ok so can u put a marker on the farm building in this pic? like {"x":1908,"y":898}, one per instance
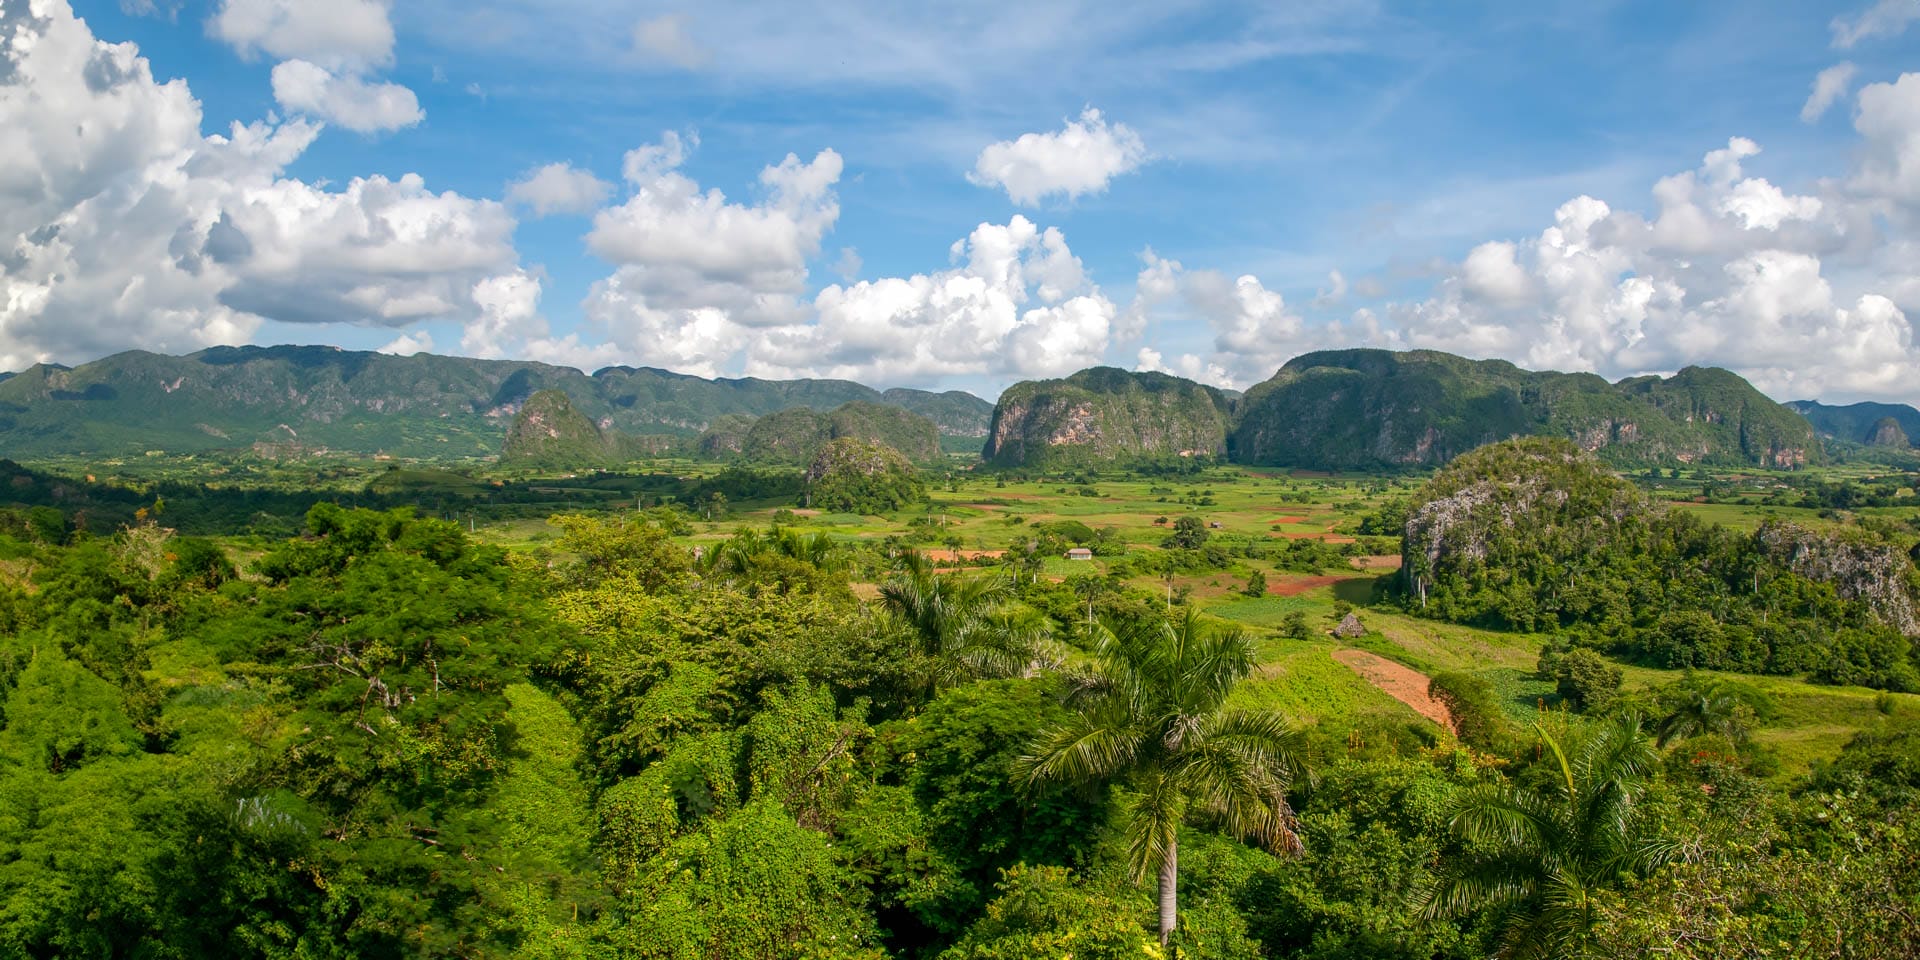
{"x":1079,"y":553}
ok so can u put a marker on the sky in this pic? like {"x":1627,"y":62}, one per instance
{"x":967,"y":195}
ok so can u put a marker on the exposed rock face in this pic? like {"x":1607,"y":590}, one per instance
{"x":1106,"y":415}
{"x":1372,"y":409}
{"x":1887,"y":432}
{"x":1874,"y":573}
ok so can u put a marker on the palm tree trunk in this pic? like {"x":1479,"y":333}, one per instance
{"x":1169,"y":880}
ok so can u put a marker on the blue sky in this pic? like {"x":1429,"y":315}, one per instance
{"x":1429,"y":155}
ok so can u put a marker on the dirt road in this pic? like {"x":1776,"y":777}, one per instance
{"x":1403,"y":683}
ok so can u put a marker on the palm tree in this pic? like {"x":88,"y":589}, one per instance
{"x":1703,"y":710}
{"x":1540,"y":855}
{"x":1152,"y":713}
{"x":968,"y":626}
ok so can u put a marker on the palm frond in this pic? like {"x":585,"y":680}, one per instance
{"x":1080,"y":751}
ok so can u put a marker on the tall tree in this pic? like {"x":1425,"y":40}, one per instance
{"x":967,"y":626}
{"x":1152,"y":713}
{"x":1540,"y":856}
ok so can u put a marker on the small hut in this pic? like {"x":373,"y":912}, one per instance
{"x":1350,"y":628}
{"x":1079,"y":553}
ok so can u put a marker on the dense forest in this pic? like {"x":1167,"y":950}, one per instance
{"x":380,"y":738}
{"x":1534,"y":535}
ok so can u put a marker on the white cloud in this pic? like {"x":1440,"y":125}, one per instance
{"x":307,"y":88}
{"x":125,"y":226}
{"x":1490,"y":273}
{"x":338,"y":34}
{"x":1828,"y":87}
{"x":408,"y":344}
{"x":1887,"y":18}
{"x":1016,"y":304}
{"x":1889,"y":122}
{"x":1079,"y":159}
{"x":694,"y":267}
{"x":665,"y":38}
{"x":559,"y":188}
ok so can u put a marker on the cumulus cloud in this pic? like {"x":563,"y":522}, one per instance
{"x":1887,"y":18}
{"x":665,"y":39}
{"x":1079,"y":159}
{"x":1017,"y":303}
{"x":1730,"y":270}
{"x":126,"y":226}
{"x":695,"y":270}
{"x":1828,"y":87}
{"x":306,"y":88}
{"x":559,"y":188}
{"x":338,"y":34}
{"x":326,"y":52}
{"x":712,"y":286}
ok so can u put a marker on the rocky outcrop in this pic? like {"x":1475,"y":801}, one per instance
{"x":549,"y":431}
{"x":797,"y":436}
{"x":1874,"y":573}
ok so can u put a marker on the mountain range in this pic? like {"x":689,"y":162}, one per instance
{"x":295,"y":399}
{"x":1329,"y":410}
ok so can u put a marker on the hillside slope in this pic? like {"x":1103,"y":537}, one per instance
{"x":1372,"y":409}
{"x":1106,"y":414}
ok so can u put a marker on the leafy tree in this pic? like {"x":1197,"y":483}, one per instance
{"x":1541,"y":856}
{"x":1189,"y":533}
{"x":1256,"y":584}
{"x":1152,"y":714}
{"x":1042,"y":911}
{"x":1585,"y":680}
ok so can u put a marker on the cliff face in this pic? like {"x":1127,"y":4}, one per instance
{"x":1875,"y":574}
{"x":1103,"y":415}
{"x":1372,"y":409}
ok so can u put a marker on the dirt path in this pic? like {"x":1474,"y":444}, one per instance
{"x":1403,"y":683}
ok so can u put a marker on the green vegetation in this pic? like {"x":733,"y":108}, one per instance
{"x":1372,"y":409}
{"x":676,"y":713}
{"x":1106,"y":415}
{"x":851,"y":475}
{"x":297,"y":402}
{"x":1597,"y":561}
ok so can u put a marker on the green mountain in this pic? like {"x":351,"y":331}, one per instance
{"x":858,"y":475}
{"x":1106,"y":414}
{"x":1872,"y":424}
{"x":796,"y":436}
{"x":1372,"y":409}
{"x":311,"y":398}
{"x":550,"y":432}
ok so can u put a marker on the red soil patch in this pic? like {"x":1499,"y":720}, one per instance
{"x":1401,"y":682}
{"x":1289,"y":519}
{"x":1297,"y":586}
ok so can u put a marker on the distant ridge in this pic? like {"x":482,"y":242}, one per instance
{"x":1378,"y":409}
{"x":310,"y":398}
{"x":1872,"y":424}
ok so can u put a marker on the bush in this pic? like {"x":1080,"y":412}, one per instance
{"x":1586,"y":681}
{"x":1477,"y":717}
